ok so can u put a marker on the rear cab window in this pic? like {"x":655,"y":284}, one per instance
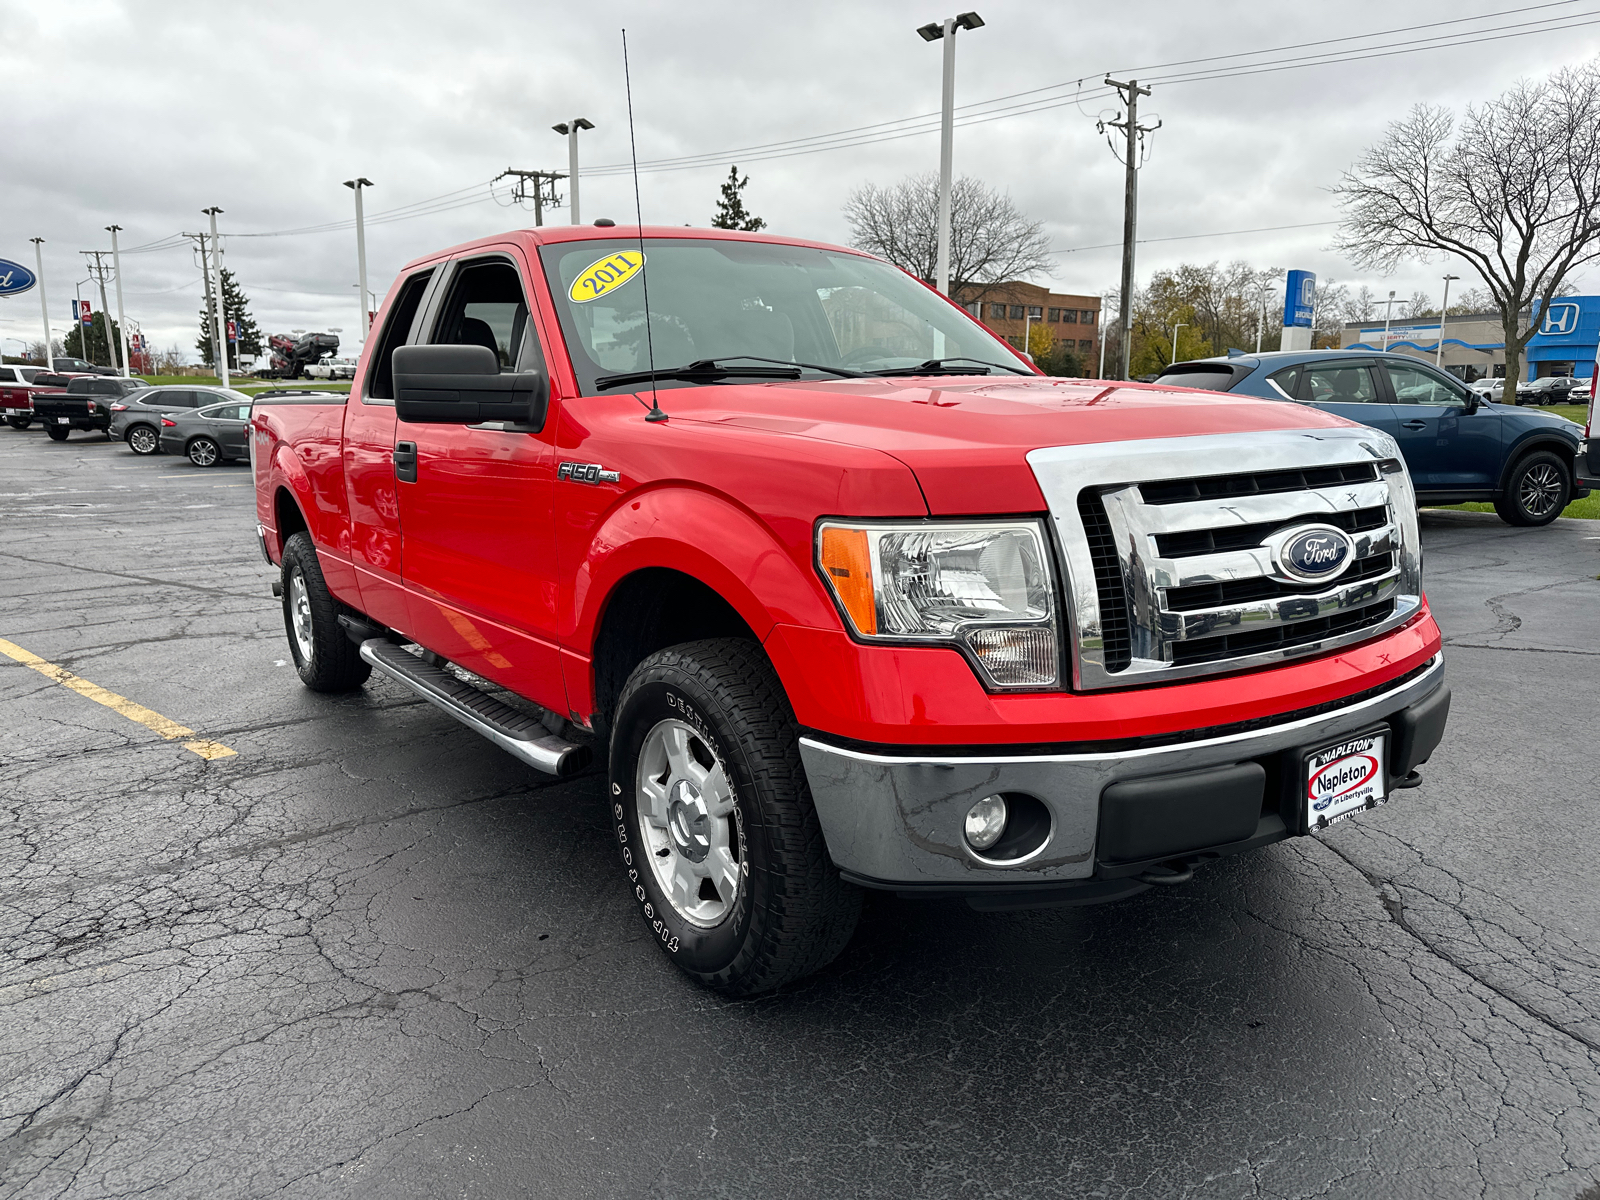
{"x":379,"y":388}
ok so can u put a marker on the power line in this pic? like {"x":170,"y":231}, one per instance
{"x":1185,"y":237}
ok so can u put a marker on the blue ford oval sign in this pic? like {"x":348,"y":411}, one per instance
{"x":1314,"y":553}
{"x":14,"y":278}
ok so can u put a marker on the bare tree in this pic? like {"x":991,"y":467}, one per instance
{"x":990,"y":241}
{"x":1515,"y":193}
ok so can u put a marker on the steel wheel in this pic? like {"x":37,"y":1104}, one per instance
{"x":1541,"y":489}
{"x":142,"y":439}
{"x":203,"y":452}
{"x":686,"y":815}
{"x":300,"y":616}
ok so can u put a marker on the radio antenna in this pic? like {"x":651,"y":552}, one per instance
{"x":655,"y":413}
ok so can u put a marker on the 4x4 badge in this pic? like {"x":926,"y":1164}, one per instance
{"x":587,"y":473}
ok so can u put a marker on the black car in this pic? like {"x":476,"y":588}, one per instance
{"x":136,"y":418}
{"x":208,"y":436}
{"x":67,"y":365}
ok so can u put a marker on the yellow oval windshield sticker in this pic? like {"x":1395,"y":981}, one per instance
{"x":605,"y":275}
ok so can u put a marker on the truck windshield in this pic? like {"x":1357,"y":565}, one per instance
{"x":713,"y":299}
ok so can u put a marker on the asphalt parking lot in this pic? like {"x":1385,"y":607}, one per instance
{"x":367,"y":954}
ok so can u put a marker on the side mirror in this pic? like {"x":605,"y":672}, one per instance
{"x":463,"y":385}
{"x":1474,"y":403}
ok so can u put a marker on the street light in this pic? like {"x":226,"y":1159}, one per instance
{"x":219,"y":331}
{"x":122,"y":322}
{"x":569,"y":130}
{"x":933,"y":33}
{"x":1444,"y":313}
{"x":1387,"y":314}
{"x":44,"y":305}
{"x":1175,"y":328}
{"x":356,"y":185}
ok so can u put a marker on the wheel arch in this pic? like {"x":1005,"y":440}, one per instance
{"x":1529,"y":444}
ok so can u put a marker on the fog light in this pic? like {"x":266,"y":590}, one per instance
{"x":986,"y":821}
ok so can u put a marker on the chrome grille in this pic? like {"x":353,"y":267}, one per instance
{"x":1172,"y":573}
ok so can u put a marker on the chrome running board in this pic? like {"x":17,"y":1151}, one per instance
{"x":516,"y":733}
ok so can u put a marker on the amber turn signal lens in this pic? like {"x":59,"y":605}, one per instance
{"x":847,"y":563}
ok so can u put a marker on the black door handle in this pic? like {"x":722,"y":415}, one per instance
{"x":1413,"y":424}
{"x":405,"y":462}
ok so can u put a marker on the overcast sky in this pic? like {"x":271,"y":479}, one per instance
{"x":144,"y":113}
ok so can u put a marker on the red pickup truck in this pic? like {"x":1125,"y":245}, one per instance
{"x":843,"y":591}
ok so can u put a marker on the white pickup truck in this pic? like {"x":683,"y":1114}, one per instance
{"x":332,"y":368}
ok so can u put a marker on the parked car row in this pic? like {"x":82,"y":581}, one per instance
{"x":1457,"y":445}
{"x":207,"y":425}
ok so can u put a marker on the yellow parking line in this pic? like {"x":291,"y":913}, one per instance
{"x":153,"y":721}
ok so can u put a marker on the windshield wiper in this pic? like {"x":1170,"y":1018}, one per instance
{"x":711,"y":370}
{"x":937,"y":366}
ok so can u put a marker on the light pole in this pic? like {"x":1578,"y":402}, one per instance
{"x":355,"y":185}
{"x":1175,"y":328}
{"x":77,"y":321}
{"x":1387,"y":314}
{"x":44,"y":305}
{"x":1444,"y":312}
{"x":218,"y":330}
{"x":569,"y":130}
{"x":122,"y":323}
{"x":1027,"y":330}
{"x":932,"y":33}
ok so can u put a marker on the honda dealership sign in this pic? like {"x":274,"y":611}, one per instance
{"x":1299,"y":303}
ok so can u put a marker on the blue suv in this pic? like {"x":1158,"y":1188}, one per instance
{"x":1457,"y":446}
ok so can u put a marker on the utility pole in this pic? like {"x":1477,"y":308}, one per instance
{"x":44,"y":305}
{"x":122,"y":323}
{"x":1132,"y":132}
{"x":1444,"y":313}
{"x":539,"y":178}
{"x":356,"y":185}
{"x":946,"y":31}
{"x":98,"y":272}
{"x":218,"y":330}
{"x":569,"y":130}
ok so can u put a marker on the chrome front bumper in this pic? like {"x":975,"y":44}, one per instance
{"x":895,"y":820}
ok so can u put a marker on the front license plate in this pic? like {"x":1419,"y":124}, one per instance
{"x":1346,"y":778}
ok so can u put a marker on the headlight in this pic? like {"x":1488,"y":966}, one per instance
{"x":985,"y":588}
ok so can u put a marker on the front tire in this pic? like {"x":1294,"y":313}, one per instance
{"x":203,"y":452}
{"x":1537,"y":490}
{"x":142,"y":439}
{"x":714,"y":821}
{"x":327,"y":660}
{"x":19,"y":422}
{"x":58,"y":433}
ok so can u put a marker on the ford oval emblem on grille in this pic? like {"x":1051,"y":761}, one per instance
{"x":1314,"y":553}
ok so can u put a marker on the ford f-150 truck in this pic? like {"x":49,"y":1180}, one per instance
{"x":843,"y":592}
{"x":85,"y":403}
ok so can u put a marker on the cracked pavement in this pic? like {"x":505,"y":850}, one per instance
{"x":374,"y":956}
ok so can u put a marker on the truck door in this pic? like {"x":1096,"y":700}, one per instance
{"x":1448,"y":447}
{"x":371,"y":486}
{"x":477,"y":531}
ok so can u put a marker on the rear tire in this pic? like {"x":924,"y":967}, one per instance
{"x":327,"y":660}
{"x":203,"y":452}
{"x":142,"y":439}
{"x":58,"y":433}
{"x":705,"y":760}
{"x":1538,"y":488}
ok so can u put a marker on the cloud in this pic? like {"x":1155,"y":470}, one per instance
{"x":143,"y":114}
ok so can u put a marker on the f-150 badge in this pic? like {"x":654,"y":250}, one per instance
{"x":587,"y":473}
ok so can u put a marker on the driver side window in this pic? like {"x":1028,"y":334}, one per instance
{"x":486,"y":307}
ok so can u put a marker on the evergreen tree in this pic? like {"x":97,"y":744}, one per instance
{"x":235,"y":308}
{"x":95,"y":348}
{"x":731,"y":212}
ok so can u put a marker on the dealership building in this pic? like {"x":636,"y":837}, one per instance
{"x":1567,"y":342}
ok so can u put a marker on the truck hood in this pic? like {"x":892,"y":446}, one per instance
{"x":966,"y":439}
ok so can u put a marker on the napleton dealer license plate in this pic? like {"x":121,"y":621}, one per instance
{"x":1346,"y":778}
